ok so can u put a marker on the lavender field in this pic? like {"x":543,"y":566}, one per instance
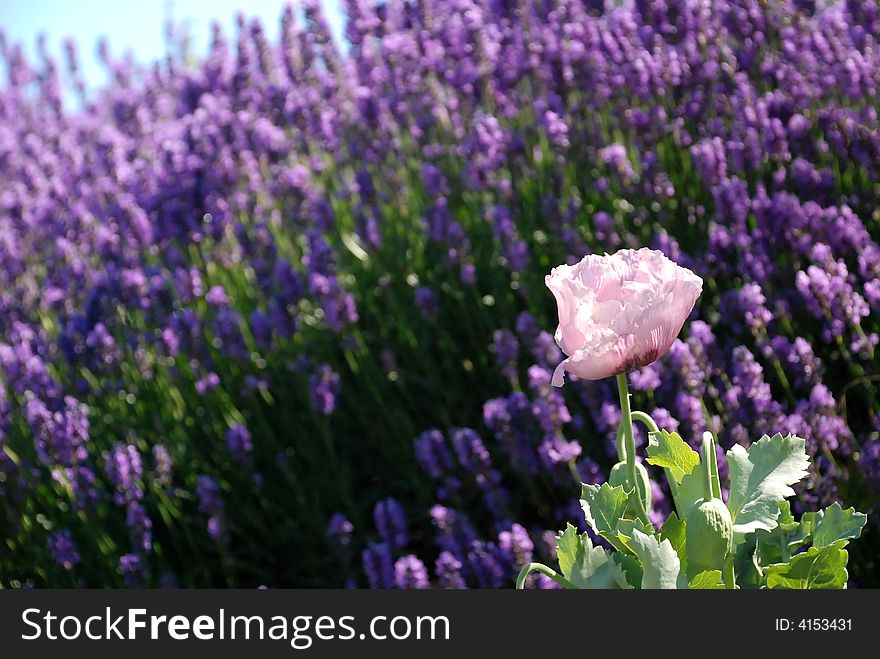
{"x":275,"y":315}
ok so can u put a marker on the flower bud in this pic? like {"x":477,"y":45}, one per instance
{"x":709,"y":536}
{"x":618,"y":477}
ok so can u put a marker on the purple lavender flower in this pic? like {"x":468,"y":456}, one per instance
{"x":340,"y":529}
{"x":324,"y":385}
{"x":455,"y":532}
{"x":140,"y":527}
{"x":506,"y":349}
{"x":435,"y":458}
{"x":125,"y":470}
{"x":410,"y":573}
{"x":828,"y":294}
{"x":426,"y":301}
{"x":378,"y":566}
{"x":615,"y":158}
{"x":516,"y":544}
{"x":217,"y":297}
{"x":557,"y":130}
{"x":208,"y":383}
{"x":162,"y":465}
{"x":211,"y":504}
{"x":390,"y":521}
{"x":63,"y":549}
{"x":664,"y":420}
{"x":486,"y":566}
{"x":751,"y":303}
{"x":645,"y":379}
{"x":238,"y":439}
{"x":448,"y":570}
{"x":261,"y":328}
{"x":131,"y":567}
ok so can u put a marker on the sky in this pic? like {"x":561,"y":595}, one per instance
{"x":135,"y":26}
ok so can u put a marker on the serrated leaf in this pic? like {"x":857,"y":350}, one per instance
{"x":660,"y":564}
{"x":835,"y":524}
{"x":629,"y":567}
{"x":603,"y":507}
{"x":813,"y":569}
{"x":786,"y":520}
{"x":567,"y":545}
{"x":670,"y":451}
{"x":617,"y":574}
{"x":583,"y":564}
{"x":707,"y":580}
{"x":625,"y":528}
{"x":761,"y":479}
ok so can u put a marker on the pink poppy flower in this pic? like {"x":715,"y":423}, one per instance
{"x":620,"y":311}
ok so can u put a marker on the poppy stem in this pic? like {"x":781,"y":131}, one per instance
{"x":543,"y":569}
{"x":630,"y":442}
{"x":651,"y":426}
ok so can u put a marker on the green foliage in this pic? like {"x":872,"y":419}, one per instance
{"x":835,"y":524}
{"x":659,"y":561}
{"x":584,"y":565}
{"x":761,"y":479}
{"x":675,"y":531}
{"x":707,"y":580}
{"x":815,"y":568}
{"x":603,"y":508}
{"x":669,"y":450}
{"x":695,"y":548}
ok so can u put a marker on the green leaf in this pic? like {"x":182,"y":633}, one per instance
{"x":616,"y":572}
{"x":583,"y":564}
{"x":625,"y":528}
{"x":761,"y":479}
{"x":670,"y":451}
{"x":567,"y":546}
{"x":707,"y":580}
{"x":803,"y":533}
{"x":816,"y":568}
{"x":775,"y":546}
{"x":786,"y":520}
{"x":835,"y":524}
{"x":660,"y":564}
{"x":674,"y":530}
{"x":603,"y":507}
{"x":749,"y":573}
{"x":688,"y":493}
{"x":631,"y":569}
